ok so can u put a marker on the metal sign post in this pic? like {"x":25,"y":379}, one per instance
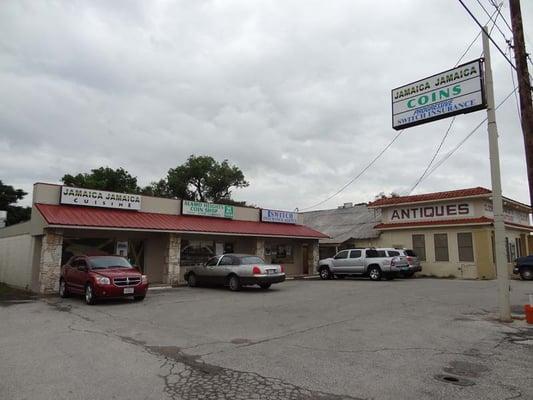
{"x":497,"y":203}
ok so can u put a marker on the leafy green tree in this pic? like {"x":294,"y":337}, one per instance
{"x":104,"y":178}
{"x":9,"y":196}
{"x":158,"y":189}
{"x":202,"y":178}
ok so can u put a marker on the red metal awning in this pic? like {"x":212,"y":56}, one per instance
{"x":85,"y":217}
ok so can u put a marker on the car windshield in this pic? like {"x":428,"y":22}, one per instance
{"x":109,"y":262}
{"x":251,"y":260}
{"x":410,"y":253}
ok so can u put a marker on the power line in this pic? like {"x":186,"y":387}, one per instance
{"x":495,"y":5}
{"x":358,"y":175}
{"x":450,"y":153}
{"x":495,"y":25}
{"x":498,"y":8}
{"x":453,"y":119}
{"x":434,"y":156}
{"x":489,"y":36}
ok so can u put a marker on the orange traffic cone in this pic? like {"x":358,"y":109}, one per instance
{"x":528,"y":310}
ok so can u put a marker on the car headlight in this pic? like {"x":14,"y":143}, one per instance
{"x":103,"y":280}
{"x":144,"y":279}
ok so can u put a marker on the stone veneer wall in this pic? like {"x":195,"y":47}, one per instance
{"x":260,"y":248}
{"x":172,"y":260}
{"x":313,"y":258}
{"x":50,"y":262}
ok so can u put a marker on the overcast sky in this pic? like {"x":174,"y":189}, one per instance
{"x":296,"y":93}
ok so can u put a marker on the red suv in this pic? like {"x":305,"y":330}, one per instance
{"x":102,"y":276}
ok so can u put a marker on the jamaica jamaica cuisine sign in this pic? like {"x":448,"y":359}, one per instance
{"x":99,"y":198}
{"x":457,"y":91}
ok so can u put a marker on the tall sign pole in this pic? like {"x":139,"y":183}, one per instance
{"x":524,"y":88}
{"x":497,"y":203}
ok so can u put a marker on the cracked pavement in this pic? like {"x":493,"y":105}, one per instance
{"x":335,"y":340}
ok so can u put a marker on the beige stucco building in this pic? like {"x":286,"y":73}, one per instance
{"x":452,"y":232}
{"x":160,"y":236}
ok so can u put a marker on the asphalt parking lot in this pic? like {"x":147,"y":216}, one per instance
{"x":349,"y":339}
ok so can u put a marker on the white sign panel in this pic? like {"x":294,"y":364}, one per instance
{"x":207,"y":209}
{"x":284,"y":217}
{"x":431,"y":212}
{"x":457,"y":91}
{"x":509,"y":215}
{"x":99,"y":198}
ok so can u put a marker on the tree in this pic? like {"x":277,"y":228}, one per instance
{"x":9,"y":196}
{"x":202,"y":178}
{"x":104,"y":178}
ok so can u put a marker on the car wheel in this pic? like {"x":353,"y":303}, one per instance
{"x":375,"y":273}
{"x":234,"y":283}
{"x":191,"y":280}
{"x":89,"y":294}
{"x":265,"y":286}
{"x":63,"y":291}
{"x":138,"y":298}
{"x":526,"y":274}
{"x":324,"y":273}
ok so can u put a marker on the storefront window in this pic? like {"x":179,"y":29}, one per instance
{"x":419,"y":246}
{"x":280,"y":253}
{"x":441,"y":247}
{"x":82,"y":246}
{"x":196,"y":252}
{"x":466,"y":249}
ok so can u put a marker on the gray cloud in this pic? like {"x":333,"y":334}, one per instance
{"x":297,"y":93}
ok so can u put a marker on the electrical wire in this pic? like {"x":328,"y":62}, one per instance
{"x":433,"y":158}
{"x":495,"y":24}
{"x":451,"y":152}
{"x":495,"y":5}
{"x":415,"y":185}
{"x":488,"y":35}
{"x":498,"y":8}
{"x":358,"y":175}
{"x":400,"y":132}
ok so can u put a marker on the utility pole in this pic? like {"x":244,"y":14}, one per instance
{"x":497,"y":201}
{"x":524,"y":88}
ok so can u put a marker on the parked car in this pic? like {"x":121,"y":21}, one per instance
{"x":375,"y":264}
{"x":411,"y":257}
{"x":523,"y":266}
{"x":235,"y":271}
{"x":99,"y":277}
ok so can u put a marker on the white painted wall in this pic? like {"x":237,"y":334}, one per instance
{"x":16,"y":261}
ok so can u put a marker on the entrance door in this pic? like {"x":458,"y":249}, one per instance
{"x":305,"y":259}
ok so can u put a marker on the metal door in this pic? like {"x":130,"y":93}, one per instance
{"x":340,"y":262}
{"x":357,"y":265}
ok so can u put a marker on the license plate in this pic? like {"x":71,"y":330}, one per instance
{"x":405,"y":268}
{"x":270,"y":271}
{"x":128,"y":290}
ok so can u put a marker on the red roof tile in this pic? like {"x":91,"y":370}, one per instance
{"x":451,"y":194}
{"x":62,"y":215}
{"x":462,"y":221}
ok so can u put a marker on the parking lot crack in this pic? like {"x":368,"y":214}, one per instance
{"x":190,"y":378}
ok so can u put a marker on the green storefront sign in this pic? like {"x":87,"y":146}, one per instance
{"x":207,"y":209}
